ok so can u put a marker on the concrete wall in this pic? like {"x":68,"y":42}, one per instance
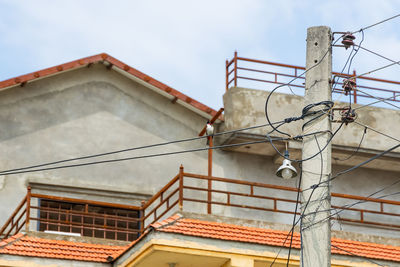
{"x":94,"y":110}
{"x":245,"y":107}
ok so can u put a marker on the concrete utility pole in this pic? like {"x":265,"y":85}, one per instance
{"x":317,"y":238}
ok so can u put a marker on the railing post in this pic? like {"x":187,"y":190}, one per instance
{"x":142,"y":214}
{"x":226,"y":75}
{"x":355,"y":87}
{"x":209,"y":184}
{"x":28,"y":209}
{"x":235,"y":68}
{"x":181,"y":188}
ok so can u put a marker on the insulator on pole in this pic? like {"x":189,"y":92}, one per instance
{"x":348,"y":39}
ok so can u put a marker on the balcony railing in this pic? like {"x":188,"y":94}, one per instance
{"x":260,"y":72}
{"x":185,"y":191}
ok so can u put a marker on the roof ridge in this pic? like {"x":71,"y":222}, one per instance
{"x":104,"y":57}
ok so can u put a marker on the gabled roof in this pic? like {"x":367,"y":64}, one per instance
{"x":23,"y":245}
{"x":112,"y":63}
{"x":229,"y":232}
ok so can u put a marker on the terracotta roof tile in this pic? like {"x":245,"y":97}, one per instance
{"x":23,"y":79}
{"x":23,"y":245}
{"x":270,"y":237}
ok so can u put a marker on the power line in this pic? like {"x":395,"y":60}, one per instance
{"x":353,"y":254}
{"x":294,"y":216}
{"x":345,"y":207}
{"x":364,"y":162}
{"x":351,"y":60}
{"x":379,"y":132}
{"x":355,"y":151}
{"x":378,"y":101}
{"x":379,"y":55}
{"x":355,"y":167}
{"x":379,"y":98}
{"x":138,"y":157}
{"x":377,"y":23}
{"x":375,"y":70}
{"x":287,"y":84}
{"x":134,"y":148}
{"x":284,"y":242}
{"x":302,"y":214}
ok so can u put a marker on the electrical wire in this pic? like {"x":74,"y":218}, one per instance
{"x":376,"y":102}
{"x":135,"y":148}
{"x":364,"y":162}
{"x":353,"y":254}
{"x":284,"y":242}
{"x":354,"y":167}
{"x":377,"y":23}
{"x":294,"y":216}
{"x":286,"y":84}
{"x":367,"y":198}
{"x":302,"y":214}
{"x":379,"y":132}
{"x":376,"y":54}
{"x":141,"y":157}
{"x":348,"y":206}
{"x":377,"y":69}
{"x":296,"y":137}
{"x":304,"y":208}
{"x":379,"y":98}
{"x":355,"y":151}
{"x":351,"y":60}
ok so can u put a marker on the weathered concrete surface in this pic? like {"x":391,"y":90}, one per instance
{"x":245,"y":107}
{"x":316,"y":230}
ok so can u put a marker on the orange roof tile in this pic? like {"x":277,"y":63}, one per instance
{"x":23,"y":245}
{"x":23,"y":79}
{"x":230,"y":232}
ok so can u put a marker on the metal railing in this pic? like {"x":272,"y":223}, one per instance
{"x":376,"y":212}
{"x":187,"y":188}
{"x":60,"y":216}
{"x":260,"y":71}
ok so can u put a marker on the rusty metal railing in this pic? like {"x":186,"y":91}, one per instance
{"x":376,"y":212}
{"x":262,"y":72}
{"x":60,"y":215}
{"x":186,"y":188}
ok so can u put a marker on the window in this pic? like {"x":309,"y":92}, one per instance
{"x":88,"y":219}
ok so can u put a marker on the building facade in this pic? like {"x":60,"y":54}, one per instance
{"x":90,"y":148}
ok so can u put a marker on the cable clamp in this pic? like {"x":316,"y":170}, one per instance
{"x":314,"y":186}
{"x":347,"y":115}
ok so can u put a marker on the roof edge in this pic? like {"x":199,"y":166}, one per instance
{"x":113,"y":62}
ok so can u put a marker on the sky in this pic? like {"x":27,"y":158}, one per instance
{"x":184,"y":44}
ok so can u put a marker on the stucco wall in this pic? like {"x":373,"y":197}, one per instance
{"x":94,"y":110}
